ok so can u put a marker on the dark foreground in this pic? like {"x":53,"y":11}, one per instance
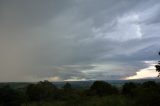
{"x":99,"y":93}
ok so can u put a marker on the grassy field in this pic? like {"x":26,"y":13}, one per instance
{"x":113,"y":100}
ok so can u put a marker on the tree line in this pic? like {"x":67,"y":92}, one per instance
{"x":143,"y":94}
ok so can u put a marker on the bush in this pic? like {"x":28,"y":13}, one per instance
{"x":10,"y":97}
{"x":148,"y":94}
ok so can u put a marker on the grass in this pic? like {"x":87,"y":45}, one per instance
{"x":113,"y":100}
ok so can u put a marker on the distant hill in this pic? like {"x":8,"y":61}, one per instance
{"x":78,"y":84}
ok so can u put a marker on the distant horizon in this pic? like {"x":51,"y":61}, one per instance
{"x":148,"y":79}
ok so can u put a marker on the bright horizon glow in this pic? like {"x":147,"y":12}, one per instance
{"x":148,"y":72}
{"x":76,"y":79}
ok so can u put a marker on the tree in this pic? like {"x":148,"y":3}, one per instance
{"x":67,"y":86}
{"x":150,"y":84}
{"x":102,"y":88}
{"x":128,"y":88}
{"x":43,"y":90}
{"x":158,"y":67}
{"x":147,"y":94}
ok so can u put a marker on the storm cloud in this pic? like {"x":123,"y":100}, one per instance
{"x":77,"y":39}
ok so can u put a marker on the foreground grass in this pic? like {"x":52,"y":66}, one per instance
{"x":113,"y":100}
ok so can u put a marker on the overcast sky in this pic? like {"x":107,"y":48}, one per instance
{"x":78,"y":39}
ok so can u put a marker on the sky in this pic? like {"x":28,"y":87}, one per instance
{"x":78,"y":40}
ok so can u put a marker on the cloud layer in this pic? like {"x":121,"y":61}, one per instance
{"x":77,"y":39}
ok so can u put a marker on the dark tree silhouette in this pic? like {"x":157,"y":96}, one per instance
{"x":67,"y":86}
{"x":158,"y":67}
{"x":128,"y":88}
{"x":147,"y":94}
{"x":102,"y":88}
{"x":41,"y":91}
{"x":149,"y":84}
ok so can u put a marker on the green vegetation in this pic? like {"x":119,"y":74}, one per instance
{"x":100,"y":93}
{"x":158,"y":67}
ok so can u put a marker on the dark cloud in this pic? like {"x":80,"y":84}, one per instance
{"x":77,"y":39}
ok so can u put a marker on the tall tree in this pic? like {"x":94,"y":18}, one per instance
{"x":67,"y":86}
{"x":158,"y":67}
{"x":43,"y":90}
{"x":102,"y":88}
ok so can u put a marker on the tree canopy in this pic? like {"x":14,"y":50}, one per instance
{"x":158,"y":67}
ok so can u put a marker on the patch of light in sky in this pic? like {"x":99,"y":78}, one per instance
{"x":148,"y":72}
{"x":75,"y":79}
